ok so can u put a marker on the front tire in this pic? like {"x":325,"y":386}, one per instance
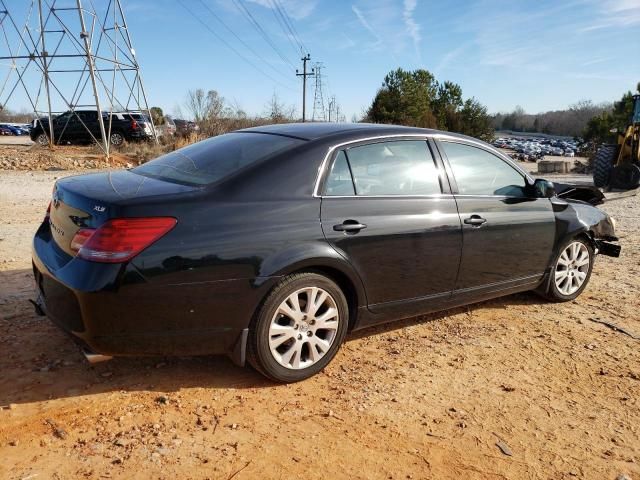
{"x":299,"y":328}
{"x":42,"y":140}
{"x":571,"y":270}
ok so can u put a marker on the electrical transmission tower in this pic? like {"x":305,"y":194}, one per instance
{"x":319,"y":112}
{"x":70,"y":57}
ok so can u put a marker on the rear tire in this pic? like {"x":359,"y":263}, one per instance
{"x":116,"y":139}
{"x":299,"y":328}
{"x":603,"y":164}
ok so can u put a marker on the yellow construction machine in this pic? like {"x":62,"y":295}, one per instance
{"x":618,"y":166}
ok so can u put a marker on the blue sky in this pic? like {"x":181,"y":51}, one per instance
{"x":541,"y":55}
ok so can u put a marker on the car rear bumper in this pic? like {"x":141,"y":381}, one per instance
{"x":111,"y":309}
{"x":139,"y":135}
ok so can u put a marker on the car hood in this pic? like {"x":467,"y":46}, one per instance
{"x":584,"y":193}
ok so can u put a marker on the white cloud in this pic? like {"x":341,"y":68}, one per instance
{"x":412,"y":27}
{"x":449,"y":57}
{"x":296,"y":9}
{"x":614,"y":14}
{"x":365,"y":23}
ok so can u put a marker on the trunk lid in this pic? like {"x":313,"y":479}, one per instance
{"x":87,"y":201}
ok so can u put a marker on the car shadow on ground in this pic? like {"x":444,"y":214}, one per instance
{"x":39,"y":362}
{"x":517,"y":299}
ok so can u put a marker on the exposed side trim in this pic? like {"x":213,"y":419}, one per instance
{"x":393,"y":303}
{"x":503,"y":285}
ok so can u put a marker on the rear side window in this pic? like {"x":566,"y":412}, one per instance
{"x":213,"y":159}
{"x":339,"y":181}
{"x":478,"y":172}
{"x":394,"y":168}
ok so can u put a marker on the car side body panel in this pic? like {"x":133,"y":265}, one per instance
{"x":196,"y":289}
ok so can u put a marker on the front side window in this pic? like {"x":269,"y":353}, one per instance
{"x":394,"y":168}
{"x":213,"y":159}
{"x":478,"y":172}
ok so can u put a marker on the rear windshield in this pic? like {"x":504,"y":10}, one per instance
{"x":213,"y":159}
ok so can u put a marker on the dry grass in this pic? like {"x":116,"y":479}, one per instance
{"x":137,"y":153}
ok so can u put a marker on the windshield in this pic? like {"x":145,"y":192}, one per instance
{"x":211,"y":160}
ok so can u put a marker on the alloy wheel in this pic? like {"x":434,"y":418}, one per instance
{"x":42,"y":140}
{"x":116,"y":139}
{"x":303,"y":328}
{"x":572,"y":268}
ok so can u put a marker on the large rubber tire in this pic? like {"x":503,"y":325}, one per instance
{"x":603,"y":164}
{"x":116,"y":139}
{"x":625,"y":176}
{"x":553,"y":292}
{"x":42,"y":140}
{"x":259,"y":353}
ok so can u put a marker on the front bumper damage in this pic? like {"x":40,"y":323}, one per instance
{"x":607,"y":248}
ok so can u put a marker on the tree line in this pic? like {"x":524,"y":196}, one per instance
{"x":570,"y":122}
{"x":416,"y":98}
{"x":604,"y":127}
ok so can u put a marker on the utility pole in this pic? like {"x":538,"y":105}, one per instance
{"x":304,"y":76}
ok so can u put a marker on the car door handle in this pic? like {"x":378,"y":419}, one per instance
{"x":349,"y":226}
{"x":475,"y":220}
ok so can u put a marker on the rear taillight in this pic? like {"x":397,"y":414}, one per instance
{"x":80,"y":238}
{"x":134,"y":125}
{"x":120,"y":239}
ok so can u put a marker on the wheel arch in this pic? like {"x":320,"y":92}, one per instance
{"x":345,"y":283}
{"x":324,"y":260}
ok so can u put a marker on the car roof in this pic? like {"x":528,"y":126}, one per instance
{"x":318,"y":130}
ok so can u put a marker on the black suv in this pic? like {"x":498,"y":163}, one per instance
{"x":82,"y":126}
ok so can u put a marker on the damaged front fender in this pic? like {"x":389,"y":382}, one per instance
{"x":575,"y":217}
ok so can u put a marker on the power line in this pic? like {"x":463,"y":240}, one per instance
{"x":230,"y":47}
{"x":230,"y":30}
{"x":284,"y":27}
{"x":290,"y":25}
{"x":245,"y":11}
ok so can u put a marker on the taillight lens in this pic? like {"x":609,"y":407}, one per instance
{"x":134,"y":125}
{"x":80,"y":238}
{"x":120,"y":239}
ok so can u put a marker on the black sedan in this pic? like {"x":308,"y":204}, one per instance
{"x":270,"y":244}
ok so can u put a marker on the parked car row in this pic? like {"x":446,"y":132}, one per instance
{"x":532,"y":147}
{"x":14,"y":129}
{"x":176,"y":126}
{"x":83,"y":126}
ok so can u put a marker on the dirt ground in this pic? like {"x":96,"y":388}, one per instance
{"x":514,"y":388}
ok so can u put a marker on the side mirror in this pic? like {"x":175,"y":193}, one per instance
{"x":544,"y":188}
